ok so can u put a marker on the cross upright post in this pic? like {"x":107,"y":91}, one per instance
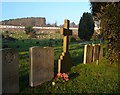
{"x":66,"y":32}
{"x":64,"y":63}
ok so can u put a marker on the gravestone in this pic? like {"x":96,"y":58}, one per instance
{"x":92,"y":53}
{"x":9,"y":74}
{"x":41,"y":65}
{"x":87,"y":54}
{"x":64,"y":62}
{"x":95,"y":52}
{"x":101,"y":51}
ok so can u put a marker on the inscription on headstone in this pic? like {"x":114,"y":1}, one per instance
{"x":9,"y":71}
{"x":41,"y":65}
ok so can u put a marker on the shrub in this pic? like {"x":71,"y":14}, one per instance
{"x":86,"y":27}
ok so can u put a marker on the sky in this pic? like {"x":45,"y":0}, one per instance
{"x":52,"y":11}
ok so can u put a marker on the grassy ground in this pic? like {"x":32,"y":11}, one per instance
{"x":89,"y":78}
{"x":23,"y":35}
{"x":25,"y":44}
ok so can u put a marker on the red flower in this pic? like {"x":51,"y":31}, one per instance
{"x":59,"y":75}
{"x":64,"y":75}
{"x":66,"y":79}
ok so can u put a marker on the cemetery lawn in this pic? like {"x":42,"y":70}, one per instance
{"x":89,"y":78}
{"x":83,"y":78}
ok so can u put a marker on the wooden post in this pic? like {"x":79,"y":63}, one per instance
{"x":85,"y":54}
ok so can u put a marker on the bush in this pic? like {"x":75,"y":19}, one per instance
{"x":109,"y":15}
{"x":86,"y":27}
{"x":28,"y":29}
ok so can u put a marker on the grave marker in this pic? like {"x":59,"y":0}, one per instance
{"x":9,"y":80}
{"x":92,"y":53}
{"x":101,"y":52}
{"x":41,"y":65}
{"x":64,"y":63}
{"x":87,"y":54}
{"x":96,"y":52}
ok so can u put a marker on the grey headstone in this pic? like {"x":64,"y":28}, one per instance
{"x":9,"y":80}
{"x":41,"y":65}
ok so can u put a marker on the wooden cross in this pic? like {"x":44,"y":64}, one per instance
{"x":64,"y":62}
{"x":66,"y":32}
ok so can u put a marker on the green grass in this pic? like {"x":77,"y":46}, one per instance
{"x":83,"y":78}
{"x":24,"y":45}
{"x":89,"y":78}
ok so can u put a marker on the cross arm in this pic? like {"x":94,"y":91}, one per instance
{"x":65,"y":32}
